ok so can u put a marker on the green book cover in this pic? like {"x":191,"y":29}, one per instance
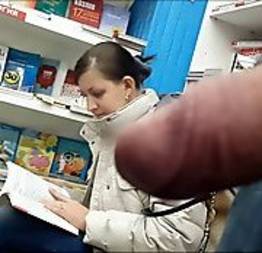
{"x":57,"y":7}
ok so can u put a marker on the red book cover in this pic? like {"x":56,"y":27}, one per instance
{"x":88,"y":12}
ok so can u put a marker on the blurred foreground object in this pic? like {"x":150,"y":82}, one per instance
{"x":208,"y":140}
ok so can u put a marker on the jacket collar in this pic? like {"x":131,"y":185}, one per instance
{"x":112,"y":123}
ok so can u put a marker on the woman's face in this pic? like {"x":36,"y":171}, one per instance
{"x":103,"y":96}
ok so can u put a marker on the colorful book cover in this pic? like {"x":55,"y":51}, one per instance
{"x":21,"y":70}
{"x":9,"y":137}
{"x":3,"y":56}
{"x":13,"y":75}
{"x":87,"y":12}
{"x":57,"y":7}
{"x":72,"y":160}
{"x":46,"y":76}
{"x":70,"y":88}
{"x":36,"y":151}
{"x":114,"y":18}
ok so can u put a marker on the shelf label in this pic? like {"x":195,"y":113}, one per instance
{"x":8,"y":11}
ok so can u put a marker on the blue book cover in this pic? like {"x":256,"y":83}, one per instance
{"x":9,"y":137}
{"x":21,"y":70}
{"x":3,"y":57}
{"x":72,"y":160}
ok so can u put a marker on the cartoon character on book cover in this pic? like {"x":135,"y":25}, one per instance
{"x":46,"y":76}
{"x":9,"y":137}
{"x":72,"y":160}
{"x":36,"y":151}
{"x":21,"y":70}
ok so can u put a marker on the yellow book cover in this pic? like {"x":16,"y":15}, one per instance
{"x":36,"y":151}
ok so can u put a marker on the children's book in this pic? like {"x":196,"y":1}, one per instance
{"x":46,"y":76}
{"x":72,"y":160}
{"x":36,"y":151}
{"x":9,"y":137}
{"x":3,"y":56}
{"x":21,"y":70}
{"x":26,"y":192}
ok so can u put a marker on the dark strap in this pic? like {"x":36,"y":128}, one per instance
{"x":150,"y":213}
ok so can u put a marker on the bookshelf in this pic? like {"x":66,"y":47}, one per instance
{"x":247,"y":16}
{"x":222,"y":24}
{"x":24,"y":110}
{"x":53,"y":37}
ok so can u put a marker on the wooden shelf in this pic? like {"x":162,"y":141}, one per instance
{"x":248,"y":16}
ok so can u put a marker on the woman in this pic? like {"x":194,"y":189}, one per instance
{"x":111,"y":216}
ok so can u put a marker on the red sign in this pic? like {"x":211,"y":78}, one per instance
{"x":88,"y":12}
{"x":5,"y":10}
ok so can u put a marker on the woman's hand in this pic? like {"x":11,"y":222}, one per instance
{"x":69,"y":209}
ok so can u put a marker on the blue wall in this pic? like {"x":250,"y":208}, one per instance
{"x":171,"y":28}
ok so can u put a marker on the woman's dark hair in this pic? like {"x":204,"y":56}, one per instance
{"x":114,"y":62}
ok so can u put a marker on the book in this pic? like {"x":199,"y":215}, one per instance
{"x":26,"y":191}
{"x":127,"y":4}
{"x":21,"y":70}
{"x":9,"y":137}
{"x":57,"y":7}
{"x":36,"y":151}
{"x":72,"y":160}
{"x":114,"y":19}
{"x":87,"y":12}
{"x":70,"y":89}
{"x":23,"y":3}
{"x":46,"y":76}
{"x":13,"y":75}
{"x":3,"y":56}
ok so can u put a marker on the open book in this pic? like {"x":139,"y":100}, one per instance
{"x":26,"y":191}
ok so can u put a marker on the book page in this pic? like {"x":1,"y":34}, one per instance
{"x":27,"y":184}
{"x":38,"y":210}
{"x":26,"y":191}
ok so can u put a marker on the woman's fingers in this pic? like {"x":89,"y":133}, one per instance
{"x":58,"y":195}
